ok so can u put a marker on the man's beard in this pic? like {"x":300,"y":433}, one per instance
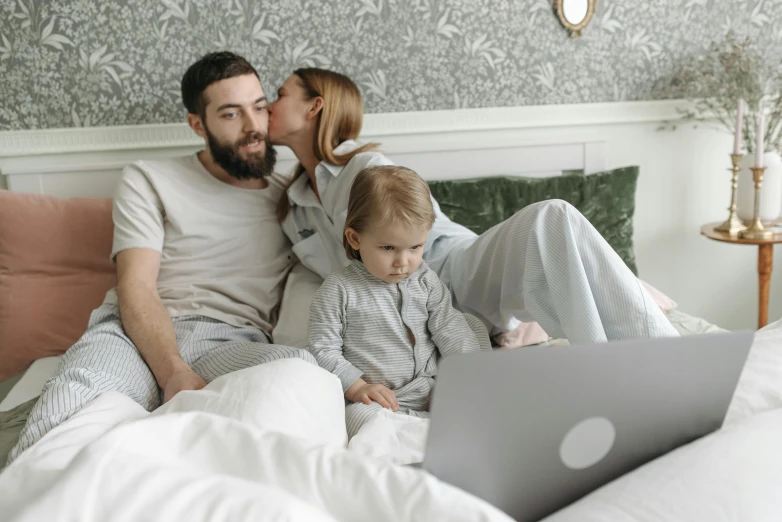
{"x":258,"y":165}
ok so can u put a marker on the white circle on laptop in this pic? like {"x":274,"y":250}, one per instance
{"x":587,"y":443}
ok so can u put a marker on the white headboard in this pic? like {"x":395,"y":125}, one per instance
{"x":464,"y":143}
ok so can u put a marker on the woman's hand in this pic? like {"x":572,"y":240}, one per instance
{"x":360,"y":391}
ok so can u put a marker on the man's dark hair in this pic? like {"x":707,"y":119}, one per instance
{"x":209,"y":69}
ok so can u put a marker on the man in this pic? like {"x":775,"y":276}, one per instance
{"x":200,"y":256}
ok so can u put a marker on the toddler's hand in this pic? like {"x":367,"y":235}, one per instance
{"x":378,"y":393}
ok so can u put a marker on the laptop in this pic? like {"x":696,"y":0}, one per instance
{"x":535,"y":429}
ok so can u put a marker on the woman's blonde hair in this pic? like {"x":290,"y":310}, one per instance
{"x":339,"y":120}
{"x":387,"y":194}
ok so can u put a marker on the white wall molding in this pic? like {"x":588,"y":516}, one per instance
{"x":377,"y":127}
{"x":93,"y":139}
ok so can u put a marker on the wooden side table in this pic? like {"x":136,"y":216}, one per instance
{"x":765,"y":263}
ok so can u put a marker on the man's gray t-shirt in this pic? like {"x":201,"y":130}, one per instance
{"x":223,"y":252}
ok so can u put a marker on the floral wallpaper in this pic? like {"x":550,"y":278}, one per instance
{"x":66,"y":63}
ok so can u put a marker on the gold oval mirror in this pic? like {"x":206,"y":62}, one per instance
{"x":575,"y":14}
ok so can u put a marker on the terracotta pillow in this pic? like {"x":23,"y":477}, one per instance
{"x":54,"y":270}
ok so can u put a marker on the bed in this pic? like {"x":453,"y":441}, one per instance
{"x":268,"y":443}
{"x":271,"y":441}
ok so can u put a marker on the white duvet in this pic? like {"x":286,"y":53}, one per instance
{"x":266,"y":443}
{"x":269,"y":443}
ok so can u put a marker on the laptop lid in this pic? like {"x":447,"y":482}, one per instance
{"x":534,"y":429}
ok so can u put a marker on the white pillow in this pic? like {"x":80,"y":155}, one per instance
{"x":32,"y":382}
{"x":292,"y":325}
{"x":760,"y":385}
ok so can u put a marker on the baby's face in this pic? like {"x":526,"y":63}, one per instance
{"x":390,"y":252}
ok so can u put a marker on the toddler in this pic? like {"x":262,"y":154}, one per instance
{"x":381,"y":323}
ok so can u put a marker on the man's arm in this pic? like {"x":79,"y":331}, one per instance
{"x":147,"y":322}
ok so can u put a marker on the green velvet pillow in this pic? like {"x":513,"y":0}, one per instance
{"x":606,"y":199}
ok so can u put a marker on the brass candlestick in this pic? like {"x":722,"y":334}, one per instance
{"x":756,"y":229}
{"x":733,"y":225}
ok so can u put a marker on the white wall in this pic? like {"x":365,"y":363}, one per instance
{"x":684,"y":181}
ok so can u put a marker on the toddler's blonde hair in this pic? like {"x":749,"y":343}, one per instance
{"x":387,"y":194}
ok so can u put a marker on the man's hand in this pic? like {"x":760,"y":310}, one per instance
{"x":367,"y":393}
{"x":182,"y":380}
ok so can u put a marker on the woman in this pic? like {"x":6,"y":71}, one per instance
{"x":545,"y":263}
